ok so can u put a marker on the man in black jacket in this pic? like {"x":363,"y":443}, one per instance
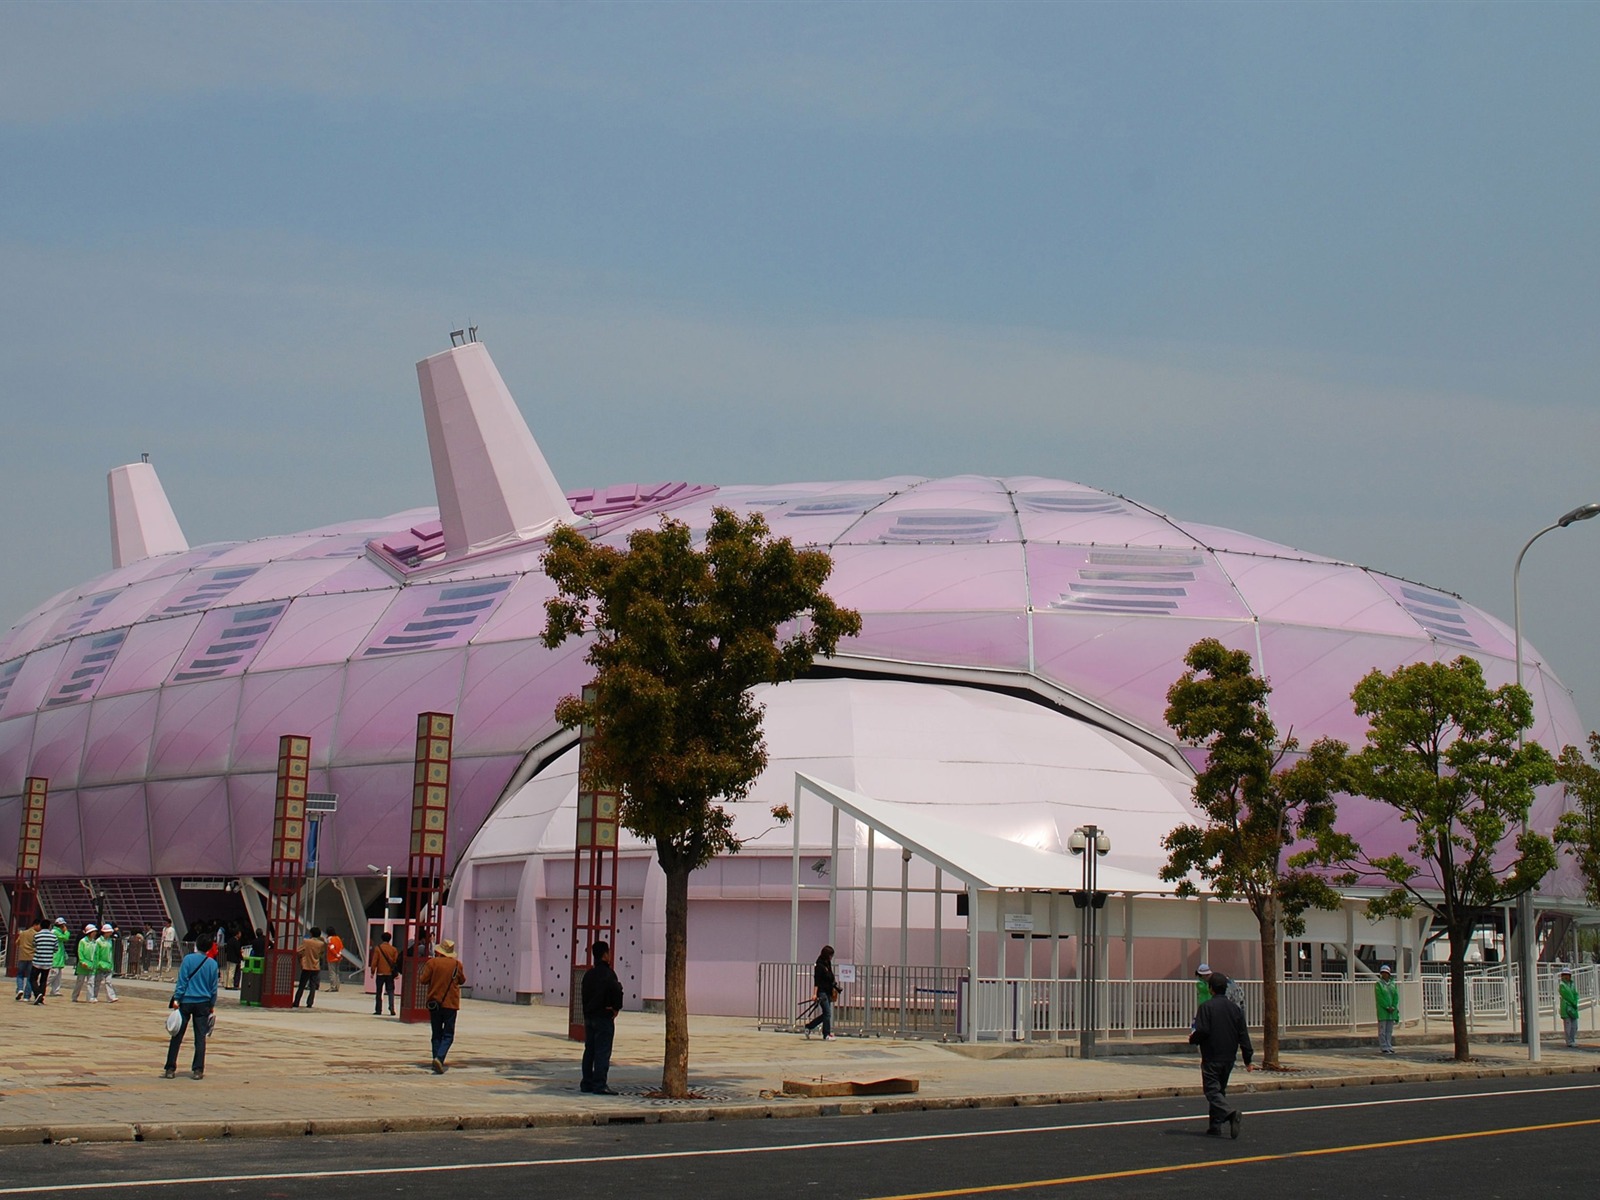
{"x":1221,"y":1033}
{"x":602,"y":1001}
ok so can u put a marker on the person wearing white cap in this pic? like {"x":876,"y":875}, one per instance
{"x":1202,"y":985}
{"x":1567,"y":993}
{"x":87,"y":957}
{"x":1386,"y":998}
{"x":106,"y":961}
{"x":58,"y":964}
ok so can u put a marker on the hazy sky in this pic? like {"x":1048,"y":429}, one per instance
{"x":1326,"y":273}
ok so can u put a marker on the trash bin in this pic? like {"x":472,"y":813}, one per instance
{"x":250,"y":982}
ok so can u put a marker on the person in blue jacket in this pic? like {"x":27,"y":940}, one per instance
{"x":195,"y":997}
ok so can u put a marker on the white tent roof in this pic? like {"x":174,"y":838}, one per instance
{"x":978,"y":859}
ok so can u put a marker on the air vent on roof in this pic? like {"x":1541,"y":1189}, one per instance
{"x":227,"y":642}
{"x":1440,"y":615}
{"x":429,"y":618}
{"x":1071,"y":502}
{"x":8,"y":676}
{"x":824,"y":506}
{"x":942,"y":527}
{"x":87,"y":611}
{"x":87,"y":662}
{"x":204,"y":589}
{"x":1130,"y":581}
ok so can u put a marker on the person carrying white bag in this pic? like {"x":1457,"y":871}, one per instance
{"x":194,"y":999}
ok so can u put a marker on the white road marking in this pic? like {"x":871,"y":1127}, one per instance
{"x":730,"y":1151}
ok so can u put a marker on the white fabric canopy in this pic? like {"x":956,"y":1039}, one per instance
{"x":978,"y":859}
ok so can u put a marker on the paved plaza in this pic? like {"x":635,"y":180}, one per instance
{"x":93,"y":1072}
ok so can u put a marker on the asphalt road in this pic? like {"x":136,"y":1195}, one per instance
{"x":1473,"y":1138}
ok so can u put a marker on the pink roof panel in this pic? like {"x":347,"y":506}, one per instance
{"x":121,"y":730}
{"x":950,"y":578}
{"x":276,"y":703}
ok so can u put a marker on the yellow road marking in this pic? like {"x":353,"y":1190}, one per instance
{"x":1136,"y":1172}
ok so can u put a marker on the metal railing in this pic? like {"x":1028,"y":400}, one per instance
{"x":925,"y":1002}
{"x":881,"y":1000}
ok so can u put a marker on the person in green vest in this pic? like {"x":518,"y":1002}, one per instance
{"x":58,"y":965}
{"x":1202,"y":983}
{"x":1386,"y":995}
{"x":1568,"y":994}
{"x":87,"y":957}
{"x":105,"y":961}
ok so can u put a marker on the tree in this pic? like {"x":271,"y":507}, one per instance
{"x":1255,"y":807}
{"x":680,"y":636}
{"x":1578,"y":830}
{"x":1446,"y":753}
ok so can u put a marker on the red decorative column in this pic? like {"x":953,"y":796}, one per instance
{"x":282,"y":965}
{"x":430,"y":817}
{"x":594,"y":879}
{"x":30,"y":841}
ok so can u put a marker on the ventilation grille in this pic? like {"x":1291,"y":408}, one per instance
{"x":828,"y":506}
{"x":431,"y":618}
{"x":204,"y":589}
{"x":1089,"y":503}
{"x":1440,"y":615}
{"x":88,"y":660}
{"x":955,"y":526}
{"x":8,"y":676}
{"x":1131,"y":581}
{"x":85,"y":613}
{"x":227,"y":642}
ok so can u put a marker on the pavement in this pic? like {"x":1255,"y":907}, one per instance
{"x":93,"y":1072}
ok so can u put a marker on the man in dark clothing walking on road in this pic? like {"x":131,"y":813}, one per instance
{"x":1221,"y":1033}
{"x":602,"y":1001}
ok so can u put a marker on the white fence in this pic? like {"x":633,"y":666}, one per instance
{"x":1024,"y":1010}
{"x":925,"y":1002}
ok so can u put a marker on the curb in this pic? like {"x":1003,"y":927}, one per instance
{"x":209,"y":1130}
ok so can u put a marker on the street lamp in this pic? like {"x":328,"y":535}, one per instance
{"x":389,"y":897}
{"x":1525,"y":918}
{"x":1090,"y":901}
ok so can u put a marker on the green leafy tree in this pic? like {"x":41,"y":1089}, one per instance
{"x":1445,"y":751}
{"x":1255,"y":807}
{"x":679,"y":637}
{"x":1578,"y":830}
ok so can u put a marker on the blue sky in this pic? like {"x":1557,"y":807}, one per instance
{"x":1325,"y":273}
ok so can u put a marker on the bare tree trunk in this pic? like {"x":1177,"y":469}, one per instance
{"x":1458,"y":992}
{"x":675,"y":1067}
{"x":1271,"y":970}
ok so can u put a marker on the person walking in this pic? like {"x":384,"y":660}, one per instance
{"x":233,"y":955}
{"x":58,"y":966}
{"x":26,"y":936}
{"x":1567,"y":995}
{"x":105,"y":961}
{"x":335,"y":957}
{"x":311,"y":950}
{"x":1221,"y":1033}
{"x":384,"y":962}
{"x":1202,"y":984}
{"x":44,"y":959}
{"x":84,"y":965}
{"x":826,"y":989}
{"x":194,"y":995}
{"x":602,"y":1001}
{"x":1386,"y":997}
{"x":441,"y":980}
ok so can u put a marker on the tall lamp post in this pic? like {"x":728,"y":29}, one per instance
{"x":1525,"y":917}
{"x":1092,"y":843}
